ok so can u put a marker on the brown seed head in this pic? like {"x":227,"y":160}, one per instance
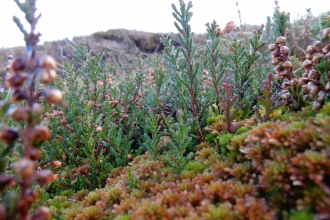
{"x":285,"y":50}
{"x":272,"y":47}
{"x":314,"y":74}
{"x":17,"y":80}
{"x":53,"y":95}
{"x":317,"y":57}
{"x":281,"y":40}
{"x":48,"y":76}
{"x":275,"y":61}
{"x":318,"y":45}
{"x":41,"y":133}
{"x":229,"y":27}
{"x":287,"y":65}
{"x":20,"y":114}
{"x":317,"y":105}
{"x":17,"y":65}
{"x":307,"y":64}
{"x":44,"y":177}
{"x":47,"y":62}
{"x":326,"y":48}
{"x":309,"y":56}
{"x":311,"y":49}
{"x":56,"y":164}
{"x":19,"y":95}
{"x":219,"y":32}
{"x":24,"y":167}
{"x":8,"y":135}
{"x":35,"y":154}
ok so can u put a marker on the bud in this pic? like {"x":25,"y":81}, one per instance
{"x":281,"y":40}
{"x":19,"y":95}
{"x":20,"y":114}
{"x":313,"y":89}
{"x":152,"y":71}
{"x":314,"y":74}
{"x":275,"y":54}
{"x":44,"y":177}
{"x":5,"y":180}
{"x":317,"y":57}
{"x":272,"y":47}
{"x":309,"y":56}
{"x":48,"y":76}
{"x":219,"y":32}
{"x":56,"y":164}
{"x":100,"y":83}
{"x":307,"y":64}
{"x":17,"y":80}
{"x":326,"y":48}
{"x":229,"y":27}
{"x":47,"y":62}
{"x":287,"y":65}
{"x":275,"y":61}
{"x":279,"y":68}
{"x":8,"y":135}
{"x":285,"y":85}
{"x":17,"y":65}
{"x":24,"y":167}
{"x":53,"y":95}
{"x":327,"y":87}
{"x":321,"y":96}
{"x":41,"y":133}
{"x":305,"y":90}
{"x":317,"y":105}
{"x":285,"y":50}
{"x":304,"y":80}
{"x":318,"y":45}
{"x":311,"y":49}
{"x":294,"y":82}
{"x":43,"y":213}
{"x":35,"y":154}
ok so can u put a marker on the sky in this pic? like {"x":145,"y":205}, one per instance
{"x":68,"y":18}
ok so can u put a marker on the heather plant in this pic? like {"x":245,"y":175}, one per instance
{"x":185,"y":66}
{"x":27,"y":74}
{"x":213,"y":60}
{"x":95,"y":123}
{"x":179,"y":153}
{"x":242,"y":62}
{"x":270,"y":100}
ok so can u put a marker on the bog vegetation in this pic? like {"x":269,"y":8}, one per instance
{"x":236,"y":127}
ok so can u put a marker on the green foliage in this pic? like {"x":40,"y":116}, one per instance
{"x":178,"y":155}
{"x":270,"y":101}
{"x":281,"y":21}
{"x":325,"y":22}
{"x":185,"y":66}
{"x":151,"y":140}
{"x":213,"y":61}
{"x":242,"y":62}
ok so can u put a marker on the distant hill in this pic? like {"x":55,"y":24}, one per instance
{"x":112,"y":43}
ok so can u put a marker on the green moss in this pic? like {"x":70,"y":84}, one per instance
{"x":196,"y":167}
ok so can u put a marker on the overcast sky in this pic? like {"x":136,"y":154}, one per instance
{"x":67,"y":18}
